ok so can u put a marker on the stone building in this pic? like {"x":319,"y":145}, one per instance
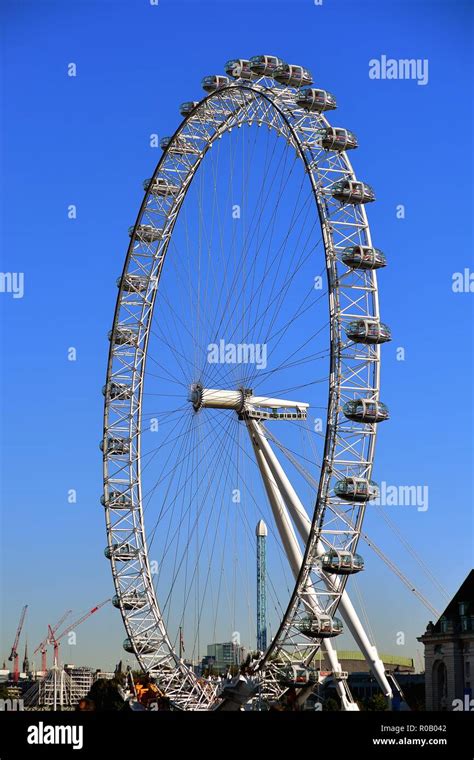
{"x":449,"y":653}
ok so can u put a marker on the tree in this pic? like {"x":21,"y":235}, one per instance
{"x":415,"y":696}
{"x":331,"y":705}
{"x":376,"y":703}
{"x":105,"y":694}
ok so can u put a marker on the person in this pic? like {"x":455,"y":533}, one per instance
{"x":86,"y":705}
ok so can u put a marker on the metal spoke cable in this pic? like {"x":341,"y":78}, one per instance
{"x":363,"y":535}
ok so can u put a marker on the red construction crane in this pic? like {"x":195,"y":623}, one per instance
{"x":43,"y":646}
{"x":14,"y":652}
{"x":53,"y":639}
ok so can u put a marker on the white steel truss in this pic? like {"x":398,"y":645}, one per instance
{"x":354,"y":373}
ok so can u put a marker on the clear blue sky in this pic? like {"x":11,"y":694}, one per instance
{"x":85,"y":141}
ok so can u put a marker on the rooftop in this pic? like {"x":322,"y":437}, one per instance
{"x":458,"y":617}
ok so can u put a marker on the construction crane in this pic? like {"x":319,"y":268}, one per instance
{"x":43,"y":646}
{"x":54,"y":640}
{"x":14,"y":652}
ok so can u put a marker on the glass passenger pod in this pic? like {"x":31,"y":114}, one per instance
{"x":133,"y":283}
{"x":265,"y":65}
{"x":363,"y":257}
{"x":116,"y":500}
{"x":341,"y":562}
{"x":118,"y":391}
{"x":123,"y":336}
{"x":115,"y":446}
{"x":298,"y":675}
{"x":352,"y":191}
{"x":143,"y":646}
{"x":146,"y":233}
{"x":337,"y":138}
{"x":315,"y":100}
{"x":188,"y":106}
{"x":292,"y":75}
{"x":320,"y":627}
{"x":160,"y":186}
{"x":131,"y":600}
{"x":365,"y":410}
{"x":179,"y":146}
{"x":239,"y":68}
{"x":214,"y":82}
{"x":356,"y":489}
{"x":124,"y":552}
{"x":368,"y":331}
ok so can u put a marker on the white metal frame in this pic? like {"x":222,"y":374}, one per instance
{"x":354,"y":372}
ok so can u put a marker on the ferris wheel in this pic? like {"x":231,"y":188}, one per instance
{"x":243,"y":384}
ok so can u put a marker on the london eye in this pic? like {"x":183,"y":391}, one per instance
{"x":243,"y":383}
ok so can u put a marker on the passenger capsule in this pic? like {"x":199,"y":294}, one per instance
{"x":356,"y":489}
{"x":116,"y":500}
{"x":133,"y":283}
{"x":365,"y":410}
{"x":320,"y":627}
{"x":143,"y":645}
{"x":292,"y":76}
{"x":352,"y":191}
{"x":124,"y":552}
{"x":297,"y":675}
{"x":239,"y":68}
{"x":146,"y":233}
{"x":160,"y":186}
{"x":363,"y":257}
{"x":265,"y":65}
{"x":315,"y":100}
{"x":214,"y":82}
{"x":337,"y":138}
{"x":178,"y":146}
{"x":340,"y":562}
{"x":368,"y":331}
{"x":115,"y":446}
{"x":186,"y":108}
{"x":130,"y":600}
{"x":123,"y":336}
{"x":118,"y":391}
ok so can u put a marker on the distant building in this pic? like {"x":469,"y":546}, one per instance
{"x":449,"y":652}
{"x":355,"y":662}
{"x":364,"y":686}
{"x":82,"y":679}
{"x":6,"y":675}
{"x":106,"y":675}
{"x":261,"y":533}
{"x":14,"y":691}
{"x":223,"y":656}
{"x":26,"y":662}
{"x":57,"y":690}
